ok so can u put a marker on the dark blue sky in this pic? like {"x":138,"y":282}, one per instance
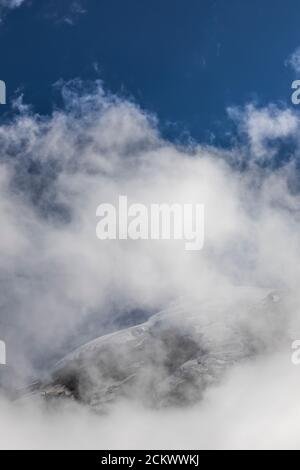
{"x":185,"y":60}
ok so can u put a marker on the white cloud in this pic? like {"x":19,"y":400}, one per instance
{"x":256,"y":407}
{"x":264,"y":127}
{"x":57,"y":275}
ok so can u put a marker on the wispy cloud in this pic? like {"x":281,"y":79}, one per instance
{"x":6,"y":5}
{"x":11,"y":3}
{"x":65,"y":12}
{"x":264,"y":128}
{"x":294,"y":60}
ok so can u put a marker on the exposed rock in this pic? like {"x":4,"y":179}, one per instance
{"x":172,"y":358}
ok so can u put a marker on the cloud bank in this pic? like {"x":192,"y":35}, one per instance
{"x":255,"y":408}
{"x":63,"y":286}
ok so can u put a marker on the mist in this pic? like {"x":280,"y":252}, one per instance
{"x":254,"y":408}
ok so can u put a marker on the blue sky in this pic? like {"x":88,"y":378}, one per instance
{"x":186,"y":61}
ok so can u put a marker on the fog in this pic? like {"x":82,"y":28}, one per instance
{"x":256,"y":407}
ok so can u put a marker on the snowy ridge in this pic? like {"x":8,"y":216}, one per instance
{"x":172,"y":358}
